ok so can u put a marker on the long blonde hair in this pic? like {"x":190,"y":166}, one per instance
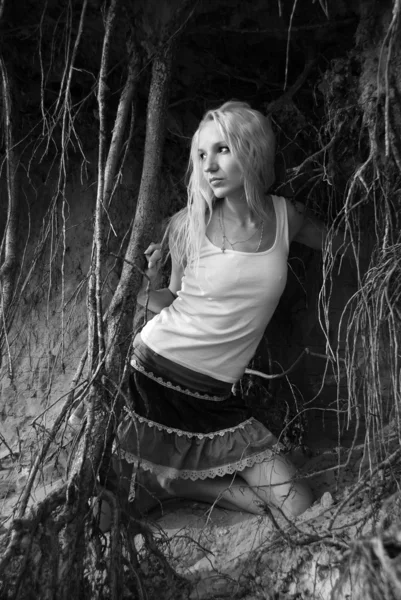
{"x":251,"y":140}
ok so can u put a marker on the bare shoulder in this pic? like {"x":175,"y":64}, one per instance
{"x":296,"y":212}
{"x":176,"y":228}
{"x":178,"y":219}
{"x":176,"y":242}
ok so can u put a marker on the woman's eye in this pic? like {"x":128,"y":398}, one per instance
{"x":224,"y":149}
{"x":201,"y":155}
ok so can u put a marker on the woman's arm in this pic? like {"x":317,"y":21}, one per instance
{"x":306,"y":229}
{"x":159,"y":299}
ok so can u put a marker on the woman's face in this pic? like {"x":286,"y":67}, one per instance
{"x":222,"y":171}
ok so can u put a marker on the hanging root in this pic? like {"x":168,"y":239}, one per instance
{"x":369,"y":335}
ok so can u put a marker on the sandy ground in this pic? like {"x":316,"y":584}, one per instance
{"x":228,"y":554}
{"x":233,"y":554}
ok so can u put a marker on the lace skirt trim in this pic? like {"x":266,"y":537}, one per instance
{"x":138,"y":367}
{"x":181,"y":432}
{"x":164,"y":473}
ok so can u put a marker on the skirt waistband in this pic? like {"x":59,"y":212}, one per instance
{"x":172,"y":375}
{"x":168,"y":384}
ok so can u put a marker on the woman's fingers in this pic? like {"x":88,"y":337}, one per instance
{"x":152,"y":247}
{"x":153,"y":255}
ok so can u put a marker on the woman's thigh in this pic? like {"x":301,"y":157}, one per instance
{"x":230,"y":492}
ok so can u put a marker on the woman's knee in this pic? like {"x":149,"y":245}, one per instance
{"x":275,"y":481}
{"x":298,"y":499}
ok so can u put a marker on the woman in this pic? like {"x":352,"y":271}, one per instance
{"x":188,"y":435}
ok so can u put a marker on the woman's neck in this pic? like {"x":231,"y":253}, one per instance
{"x":237,"y":209}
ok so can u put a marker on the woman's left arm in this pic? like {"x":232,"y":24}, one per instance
{"x":308,"y":230}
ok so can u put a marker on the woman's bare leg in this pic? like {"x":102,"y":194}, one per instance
{"x":270,"y":482}
{"x":273,"y":481}
{"x":227,"y":492}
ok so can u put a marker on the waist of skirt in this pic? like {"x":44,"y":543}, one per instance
{"x":174,"y":376}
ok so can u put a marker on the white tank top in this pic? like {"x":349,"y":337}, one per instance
{"x":219,"y":316}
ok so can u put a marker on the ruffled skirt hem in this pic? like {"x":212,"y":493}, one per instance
{"x":173,"y":473}
{"x":171,"y":453}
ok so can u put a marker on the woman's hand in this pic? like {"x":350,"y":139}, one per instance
{"x":153,"y":256}
{"x":157,"y":299}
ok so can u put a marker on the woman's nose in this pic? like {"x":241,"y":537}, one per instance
{"x":210,"y":165}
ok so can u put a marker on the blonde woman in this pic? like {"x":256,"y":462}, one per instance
{"x":188,"y":435}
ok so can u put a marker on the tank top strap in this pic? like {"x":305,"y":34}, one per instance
{"x":280,"y":206}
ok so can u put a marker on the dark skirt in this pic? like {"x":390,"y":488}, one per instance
{"x":176,"y":432}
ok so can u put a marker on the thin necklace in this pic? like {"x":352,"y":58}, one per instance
{"x":232,"y":244}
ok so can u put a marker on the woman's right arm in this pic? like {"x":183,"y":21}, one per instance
{"x":159,"y":299}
